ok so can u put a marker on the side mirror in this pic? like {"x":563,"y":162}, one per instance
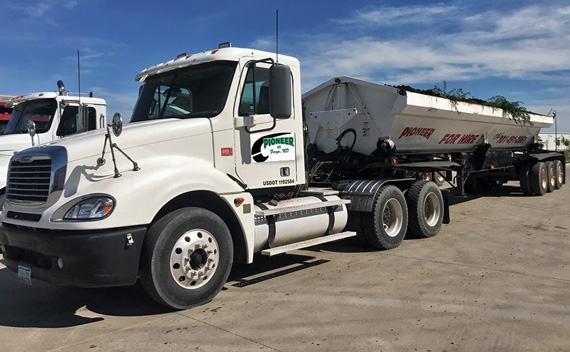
{"x":117,"y":124}
{"x":280,"y":91}
{"x":31,"y":128}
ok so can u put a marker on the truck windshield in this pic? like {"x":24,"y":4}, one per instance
{"x":195,"y":91}
{"x":41,"y":112}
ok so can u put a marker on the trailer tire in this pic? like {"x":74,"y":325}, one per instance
{"x":538,"y":178}
{"x":425,"y":209}
{"x":559,"y":173}
{"x":438,"y":178}
{"x":385,"y":227}
{"x":524,"y":174}
{"x":186,"y":258}
{"x":551,"y":174}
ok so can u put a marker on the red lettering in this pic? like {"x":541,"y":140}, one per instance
{"x":417,"y":131}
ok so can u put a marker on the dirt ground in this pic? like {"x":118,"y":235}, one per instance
{"x":496,"y":279}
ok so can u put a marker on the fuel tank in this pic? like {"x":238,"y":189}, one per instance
{"x":297,"y":220}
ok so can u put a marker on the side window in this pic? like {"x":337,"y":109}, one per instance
{"x":255,"y":94}
{"x":69,"y":123}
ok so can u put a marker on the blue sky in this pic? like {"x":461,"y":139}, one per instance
{"x":519,"y":49}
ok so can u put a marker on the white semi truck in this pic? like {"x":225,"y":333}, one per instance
{"x":43,"y":117}
{"x":224,"y":159}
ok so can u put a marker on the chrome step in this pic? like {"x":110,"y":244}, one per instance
{"x":283,"y":208}
{"x":308,"y":243}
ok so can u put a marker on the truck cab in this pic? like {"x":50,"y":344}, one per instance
{"x":44,"y":117}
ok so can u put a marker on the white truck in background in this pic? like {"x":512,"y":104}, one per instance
{"x":223,"y":159}
{"x":5,"y":111}
{"x":44,"y":117}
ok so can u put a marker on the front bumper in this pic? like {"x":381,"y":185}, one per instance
{"x":89,"y":258}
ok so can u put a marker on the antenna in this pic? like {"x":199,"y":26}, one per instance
{"x":79,"y":76}
{"x":277,"y":36}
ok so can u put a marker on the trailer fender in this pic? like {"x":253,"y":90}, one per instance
{"x":362,"y":193}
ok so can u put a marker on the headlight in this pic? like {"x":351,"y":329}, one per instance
{"x":92,"y":208}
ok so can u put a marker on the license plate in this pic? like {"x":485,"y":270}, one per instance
{"x":25,"y":274}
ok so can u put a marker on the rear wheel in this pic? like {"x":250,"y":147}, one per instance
{"x":385,"y":227}
{"x":524,"y":172}
{"x":551,"y":175}
{"x":186,"y":258}
{"x":538,"y":178}
{"x":425,"y":209}
{"x":559,"y":173}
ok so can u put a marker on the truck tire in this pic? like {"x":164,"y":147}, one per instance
{"x":425,"y":209}
{"x":186,"y":258}
{"x":551,"y":175}
{"x":385,"y":227}
{"x":538,"y":177}
{"x":438,"y":178}
{"x":559,"y":172}
{"x":524,"y":173}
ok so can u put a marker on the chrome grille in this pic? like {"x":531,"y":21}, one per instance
{"x":29,"y":179}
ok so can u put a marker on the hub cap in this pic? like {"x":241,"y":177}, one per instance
{"x":392,"y":217}
{"x":432,"y":209}
{"x":194,"y":259}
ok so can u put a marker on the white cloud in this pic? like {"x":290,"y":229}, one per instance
{"x":526,"y":43}
{"x":37,"y":9}
{"x":389,"y":16}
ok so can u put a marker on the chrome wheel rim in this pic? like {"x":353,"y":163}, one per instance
{"x":432,"y":209}
{"x":392,"y":217}
{"x":194,"y":259}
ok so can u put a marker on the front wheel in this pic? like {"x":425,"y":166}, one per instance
{"x":385,"y":227}
{"x":186,"y":258}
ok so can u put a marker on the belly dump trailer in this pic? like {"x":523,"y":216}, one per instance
{"x":224,"y":159}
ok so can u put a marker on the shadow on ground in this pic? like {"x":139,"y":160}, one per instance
{"x":43,"y":305}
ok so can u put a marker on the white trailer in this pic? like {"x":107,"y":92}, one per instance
{"x":216,"y":166}
{"x":44,"y":117}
